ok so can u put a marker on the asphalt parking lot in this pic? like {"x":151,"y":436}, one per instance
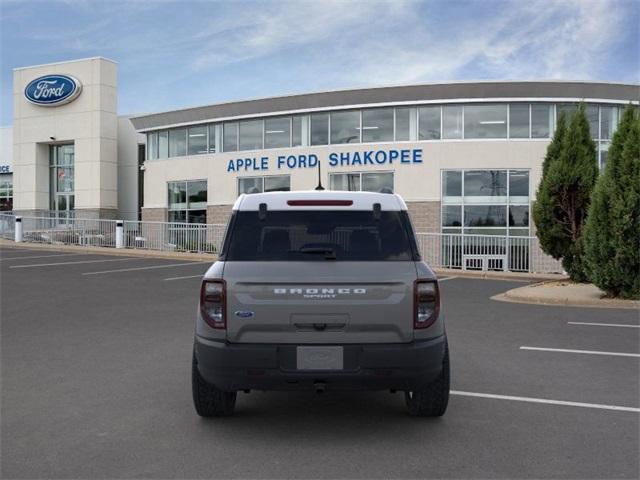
{"x":96,"y":354}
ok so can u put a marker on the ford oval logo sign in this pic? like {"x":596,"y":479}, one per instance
{"x":53,"y":90}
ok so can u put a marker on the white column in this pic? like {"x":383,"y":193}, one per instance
{"x":119,"y":234}
{"x":18,"y":230}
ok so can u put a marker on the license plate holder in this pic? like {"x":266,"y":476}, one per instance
{"x":320,"y":358}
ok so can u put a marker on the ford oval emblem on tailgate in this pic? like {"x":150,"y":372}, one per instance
{"x":244,"y":314}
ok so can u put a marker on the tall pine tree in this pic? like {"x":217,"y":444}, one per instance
{"x":563,"y":197}
{"x":548,"y":231}
{"x":612,"y":233}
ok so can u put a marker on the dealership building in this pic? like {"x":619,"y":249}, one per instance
{"x":465,"y":156}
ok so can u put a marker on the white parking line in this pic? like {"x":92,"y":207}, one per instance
{"x":152,"y":267}
{"x":445,"y":279}
{"x":183,"y":278}
{"x":546,"y":401}
{"x":590,"y":352}
{"x":605,"y":324}
{"x":42,"y":256}
{"x":74,"y":263}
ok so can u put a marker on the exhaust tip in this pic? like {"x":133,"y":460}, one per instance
{"x":320,"y":387}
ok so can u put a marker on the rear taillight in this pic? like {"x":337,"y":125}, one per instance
{"x":426,"y":303}
{"x":213,"y":303}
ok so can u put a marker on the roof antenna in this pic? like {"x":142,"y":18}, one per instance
{"x":319,"y":187}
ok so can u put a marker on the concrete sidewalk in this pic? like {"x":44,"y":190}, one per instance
{"x":565,"y":292}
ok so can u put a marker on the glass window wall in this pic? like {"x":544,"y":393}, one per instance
{"x":403,"y":124}
{"x":519,"y":120}
{"x":452,"y":216}
{"x":485,"y":121}
{"x":345,"y":127}
{"x":320,"y":129}
{"x":62,"y":179}
{"x":429,"y":123}
{"x":187,"y":201}
{"x":230,"y":137}
{"x":475,"y":121}
{"x":280,"y":183}
{"x":485,"y":186}
{"x":212,"y":138}
{"x":178,"y":142}
{"x":452,"y":186}
{"x":592,"y":117}
{"x":541,"y":120}
{"x":277,"y":132}
{"x":296,"y":131}
{"x":477,"y":201}
{"x":345,"y":181}
{"x":452,"y":121}
{"x":377,"y":182}
{"x":251,"y":135}
{"x":152,"y":146}
{"x":276,"y":183}
{"x":381,"y":182}
{"x":6,"y":192}
{"x":377,"y":125}
{"x":608,"y":121}
{"x":163,"y":144}
{"x":197,"y":139}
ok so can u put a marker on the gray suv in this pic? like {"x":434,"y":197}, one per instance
{"x":320,"y":290}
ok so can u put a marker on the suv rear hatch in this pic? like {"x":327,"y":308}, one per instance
{"x":320,"y":276}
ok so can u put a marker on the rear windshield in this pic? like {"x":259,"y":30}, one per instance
{"x":317,"y":235}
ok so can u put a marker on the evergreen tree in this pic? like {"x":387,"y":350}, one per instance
{"x":563,"y":197}
{"x":548,"y":231}
{"x":555,"y":147}
{"x":612,"y":233}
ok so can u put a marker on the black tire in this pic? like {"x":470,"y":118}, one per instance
{"x":208,"y":400}
{"x":432,"y":400}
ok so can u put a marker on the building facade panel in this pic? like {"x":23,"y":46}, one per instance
{"x":86,"y":179}
{"x":466,"y":157}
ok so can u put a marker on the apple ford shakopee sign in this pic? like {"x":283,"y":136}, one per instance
{"x":53,"y":90}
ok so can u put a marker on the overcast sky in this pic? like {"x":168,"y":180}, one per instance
{"x":179,"y":54}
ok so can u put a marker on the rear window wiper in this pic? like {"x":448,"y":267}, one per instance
{"x":329,"y":253}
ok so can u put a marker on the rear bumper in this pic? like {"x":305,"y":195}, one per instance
{"x":405,"y":366}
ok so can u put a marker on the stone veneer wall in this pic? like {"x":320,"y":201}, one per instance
{"x":154,"y":214}
{"x":218,"y":214}
{"x":425,"y":216}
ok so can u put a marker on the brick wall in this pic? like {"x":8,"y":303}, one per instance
{"x":154,"y":214}
{"x":425,"y":216}
{"x":218,"y":214}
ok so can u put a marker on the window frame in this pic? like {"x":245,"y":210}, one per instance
{"x":507,"y":204}
{"x":186,"y":208}
{"x":262,"y":181}
{"x":366,"y":172}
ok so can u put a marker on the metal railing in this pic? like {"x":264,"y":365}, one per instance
{"x":486,"y":252}
{"x":7,"y":226}
{"x":164,"y":236}
{"x":440,"y":250}
{"x":69,"y":231}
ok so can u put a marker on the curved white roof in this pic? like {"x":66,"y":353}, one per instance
{"x":319,"y":200}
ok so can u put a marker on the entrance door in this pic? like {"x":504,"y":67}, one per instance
{"x":62,"y":181}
